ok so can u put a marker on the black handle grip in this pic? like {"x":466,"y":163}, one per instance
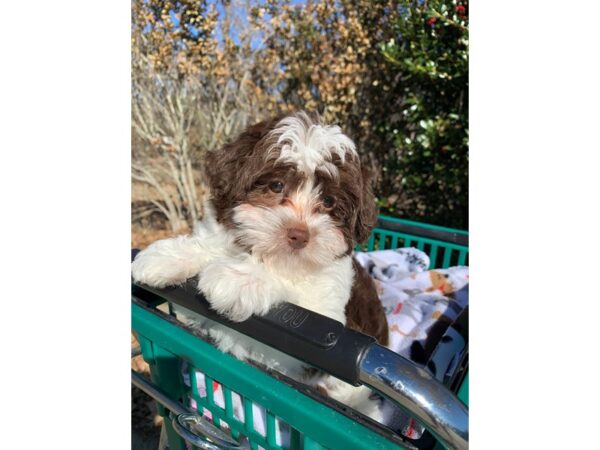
{"x":311,"y":337}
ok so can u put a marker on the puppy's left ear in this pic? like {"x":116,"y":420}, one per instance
{"x":367,"y":210}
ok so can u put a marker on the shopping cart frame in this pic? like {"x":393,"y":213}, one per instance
{"x":315,"y":339}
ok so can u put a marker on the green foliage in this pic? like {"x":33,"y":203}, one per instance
{"x":429,"y":54}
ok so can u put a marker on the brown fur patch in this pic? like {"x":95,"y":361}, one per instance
{"x":232,"y":170}
{"x":364,"y":311}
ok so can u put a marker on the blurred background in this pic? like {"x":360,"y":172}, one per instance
{"x":393,"y":74}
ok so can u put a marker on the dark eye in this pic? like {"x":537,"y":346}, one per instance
{"x":328,"y":201}
{"x":276,"y":186}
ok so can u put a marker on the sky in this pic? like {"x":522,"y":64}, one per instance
{"x":242,"y":15}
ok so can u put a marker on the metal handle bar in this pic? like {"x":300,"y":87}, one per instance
{"x":192,"y":427}
{"x":419,"y":393}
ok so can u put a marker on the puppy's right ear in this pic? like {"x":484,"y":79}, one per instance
{"x":230,"y":170}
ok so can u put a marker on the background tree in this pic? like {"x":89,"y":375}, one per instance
{"x":191,"y":92}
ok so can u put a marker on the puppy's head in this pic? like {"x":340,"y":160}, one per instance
{"x":292,"y":191}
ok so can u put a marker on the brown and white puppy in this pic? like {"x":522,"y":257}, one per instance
{"x":289,"y":203}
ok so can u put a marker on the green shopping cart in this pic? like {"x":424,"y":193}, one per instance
{"x":173,"y":349}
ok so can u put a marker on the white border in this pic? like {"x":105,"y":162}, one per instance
{"x":534,"y":224}
{"x":65,"y":186}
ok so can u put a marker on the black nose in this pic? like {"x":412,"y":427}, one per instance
{"x":298,"y":237}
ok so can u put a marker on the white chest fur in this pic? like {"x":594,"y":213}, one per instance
{"x":326,"y":291}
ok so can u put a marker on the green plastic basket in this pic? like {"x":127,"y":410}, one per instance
{"x":446,"y":247}
{"x":312,"y":424}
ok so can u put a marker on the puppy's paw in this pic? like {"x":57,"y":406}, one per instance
{"x":237,"y":289}
{"x":154,"y":269}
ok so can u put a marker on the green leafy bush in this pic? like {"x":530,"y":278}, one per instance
{"x":429,"y":125}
